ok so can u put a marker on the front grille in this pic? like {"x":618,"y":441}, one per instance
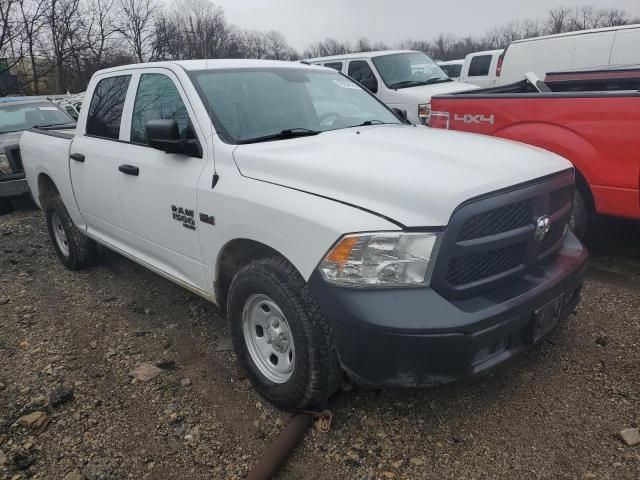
{"x":499,"y":220}
{"x":491,"y":240}
{"x":559,"y":198}
{"x":471,"y":268}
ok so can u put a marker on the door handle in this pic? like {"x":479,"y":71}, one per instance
{"x":78,"y":157}
{"x":129,"y":170}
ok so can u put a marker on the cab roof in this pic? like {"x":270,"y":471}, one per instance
{"x":211,"y":64}
{"x":348,"y":56}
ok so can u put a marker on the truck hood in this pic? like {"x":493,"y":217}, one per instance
{"x":423,"y":93}
{"x":415,"y":176}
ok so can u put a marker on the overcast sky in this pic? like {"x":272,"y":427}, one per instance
{"x":307,"y":21}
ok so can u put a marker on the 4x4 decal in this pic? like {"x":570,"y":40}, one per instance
{"x":470,"y":118}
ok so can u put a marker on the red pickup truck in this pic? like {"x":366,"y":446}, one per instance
{"x":599,"y":132}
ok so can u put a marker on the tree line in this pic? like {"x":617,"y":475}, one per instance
{"x":70,"y":39}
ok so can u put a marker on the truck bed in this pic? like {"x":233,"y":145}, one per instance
{"x":47,"y":151}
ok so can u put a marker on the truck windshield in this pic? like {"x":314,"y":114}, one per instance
{"x":22,"y":116}
{"x":263,"y":104}
{"x":410,"y":69}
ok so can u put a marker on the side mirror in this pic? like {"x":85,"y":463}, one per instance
{"x":165,"y":135}
{"x":402,"y":114}
{"x":370,"y":84}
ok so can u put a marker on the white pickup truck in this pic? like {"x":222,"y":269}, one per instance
{"x":338,"y":239}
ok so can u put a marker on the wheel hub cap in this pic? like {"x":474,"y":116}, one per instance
{"x":268,"y":338}
{"x":59,"y":234}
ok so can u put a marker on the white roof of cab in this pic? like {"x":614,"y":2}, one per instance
{"x":213,"y":64}
{"x":348,"y":56}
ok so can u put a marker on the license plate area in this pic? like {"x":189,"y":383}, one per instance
{"x":545,"y":319}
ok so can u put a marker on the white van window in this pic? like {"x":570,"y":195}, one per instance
{"x":625,"y":49}
{"x":335,"y":65}
{"x":479,"y":66}
{"x":360,"y":71}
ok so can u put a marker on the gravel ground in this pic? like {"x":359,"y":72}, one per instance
{"x":68,"y":341}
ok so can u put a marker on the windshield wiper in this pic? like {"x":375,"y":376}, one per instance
{"x":433,"y":80}
{"x":282,"y":135}
{"x":407,"y":83}
{"x":49,"y":125}
{"x":372,"y":122}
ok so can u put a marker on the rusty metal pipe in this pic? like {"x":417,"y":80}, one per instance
{"x":281,"y":448}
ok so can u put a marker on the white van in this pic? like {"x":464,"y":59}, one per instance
{"x":615,"y":47}
{"x":451,"y":67}
{"x":403,"y":79}
{"x":482,"y":68}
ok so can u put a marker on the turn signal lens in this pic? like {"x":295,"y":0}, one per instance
{"x":341,"y":252}
{"x":385,"y":259}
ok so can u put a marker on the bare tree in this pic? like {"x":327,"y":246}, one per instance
{"x":136,"y":25}
{"x":277,"y":47}
{"x":558,"y":20}
{"x":99,"y":29}
{"x":32,"y":18}
{"x":62,"y":23}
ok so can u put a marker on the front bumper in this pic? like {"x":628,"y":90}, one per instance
{"x":415,"y":337}
{"x":13,"y":188}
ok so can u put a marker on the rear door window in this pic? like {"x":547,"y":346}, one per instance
{"x":360,"y":71}
{"x":105,"y":109}
{"x":479,"y":66}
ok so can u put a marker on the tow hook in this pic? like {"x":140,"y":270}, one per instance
{"x":288,"y":440}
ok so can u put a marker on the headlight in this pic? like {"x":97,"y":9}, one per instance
{"x":380,"y":260}
{"x":424,"y":109}
{"x":5,"y":167}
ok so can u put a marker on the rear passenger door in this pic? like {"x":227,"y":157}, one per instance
{"x":158,"y":189}
{"x":94,"y":161}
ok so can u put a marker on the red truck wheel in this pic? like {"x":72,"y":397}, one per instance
{"x":579,"y":216}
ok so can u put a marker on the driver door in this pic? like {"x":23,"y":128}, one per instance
{"x":158,"y":190}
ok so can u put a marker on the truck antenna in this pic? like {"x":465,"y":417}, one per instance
{"x":216,"y":177}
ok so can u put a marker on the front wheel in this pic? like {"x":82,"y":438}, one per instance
{"x":579,"y":216}
{"x":73,"y":248}
{"x":281,"y":338}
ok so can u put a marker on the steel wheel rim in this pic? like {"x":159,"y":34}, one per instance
{"x":59,"y":234}
{"x":268,"y":338}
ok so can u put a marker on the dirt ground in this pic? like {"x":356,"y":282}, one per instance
{"x":68,"y":341}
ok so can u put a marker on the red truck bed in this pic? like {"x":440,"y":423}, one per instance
{"x":599,"y":132}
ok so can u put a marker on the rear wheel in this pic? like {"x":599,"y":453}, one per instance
{"x":281,"y":338}
{"x":73,"y":248}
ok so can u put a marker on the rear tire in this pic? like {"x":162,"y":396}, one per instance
{"x":280,"y":337}
{"x":74,"y":249}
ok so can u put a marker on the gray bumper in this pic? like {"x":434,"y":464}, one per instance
{"x":12,"y":188}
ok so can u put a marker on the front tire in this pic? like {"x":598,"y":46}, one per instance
{"x":5,"y":205}
{"x":579,"y":216}
{"x":281,"y":338}
{"x":74,"y":249}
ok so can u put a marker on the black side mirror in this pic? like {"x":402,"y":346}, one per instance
{"x":402,"y":114}
{"x":165,"y":135}
{"x":370,"y":84}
